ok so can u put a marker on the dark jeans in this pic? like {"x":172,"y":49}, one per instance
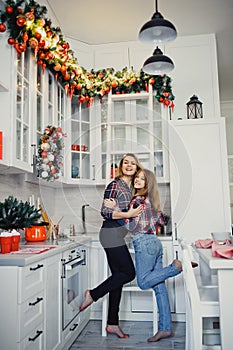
{"x":123,"y":271}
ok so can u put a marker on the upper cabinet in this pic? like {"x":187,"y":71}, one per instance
{"x":102,"y":133}
{"x":137,"y":124}
{"x":34,"y":100}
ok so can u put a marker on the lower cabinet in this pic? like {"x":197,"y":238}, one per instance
{"x":31,"y":306}
{"x":136,"y":304}
{"x":53,"y":315}
{"x":22,"y":307}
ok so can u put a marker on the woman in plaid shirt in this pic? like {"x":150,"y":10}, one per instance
{"x":112,"y":234}
{"x":148,"y":248}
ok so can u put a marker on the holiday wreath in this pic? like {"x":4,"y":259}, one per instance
{"x":28,"y":27}
{"x":50,"y":158}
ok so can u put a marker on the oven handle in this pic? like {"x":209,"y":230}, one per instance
{"x":75,"y":264}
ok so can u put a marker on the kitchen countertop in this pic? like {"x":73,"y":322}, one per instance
{"x":32,"y":252}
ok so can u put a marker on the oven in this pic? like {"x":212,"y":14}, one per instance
{"x":74,"y":283}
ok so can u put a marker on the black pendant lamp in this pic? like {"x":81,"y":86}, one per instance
{"x":158,"y":63}
{"x":157,"y":30}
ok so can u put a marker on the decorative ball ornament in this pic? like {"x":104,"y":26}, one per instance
{"x":20,"y":21}
{"x":2,"y":27}
{"x":9,"y":10}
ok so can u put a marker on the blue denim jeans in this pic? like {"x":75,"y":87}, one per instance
{"x":151,"y":274}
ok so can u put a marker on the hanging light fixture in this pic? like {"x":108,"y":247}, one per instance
{"x":157,"y":30}
{"x":158,"y":63}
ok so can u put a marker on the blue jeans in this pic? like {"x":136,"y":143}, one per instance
{"x":151,"y":274}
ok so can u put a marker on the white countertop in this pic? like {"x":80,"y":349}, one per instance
{"x":54,"y":247}
{"x":214,"y":262}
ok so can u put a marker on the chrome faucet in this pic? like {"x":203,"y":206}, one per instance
{"x":84,"y":217}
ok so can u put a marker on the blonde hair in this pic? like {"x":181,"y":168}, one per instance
{"x":150,"y":189}
{"x":139,"y":166}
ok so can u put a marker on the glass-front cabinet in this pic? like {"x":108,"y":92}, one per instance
{"x":39,"y":101}
{"x":81,"y":165}
{"x":23,"y":109}
{"x":118,"y":124}
{"x":136,"y":124}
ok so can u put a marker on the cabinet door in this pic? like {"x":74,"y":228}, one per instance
{"x":23,"y":112}
{"x":136,"y":124}
{"x":199,"y":178}
{"x":53,"y":302}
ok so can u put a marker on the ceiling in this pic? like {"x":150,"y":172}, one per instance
{"x":109,"y":21}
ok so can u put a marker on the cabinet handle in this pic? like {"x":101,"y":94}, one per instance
{"x":36,"y":302}
{"x":177,"y":255}
{"x":74,"y":327}
{"x":36,"y":268}
{"x":38,"y":333}
{"x":84,"y":256}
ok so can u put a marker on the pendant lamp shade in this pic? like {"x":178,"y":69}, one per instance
{"x":157,"y":30}
{"x":158,"y":63}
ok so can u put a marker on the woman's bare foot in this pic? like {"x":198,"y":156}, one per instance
{"x":160,"y":335}
{"x":178,"y":265}
{"x":111,"y":329}
{"x":88,"y":300}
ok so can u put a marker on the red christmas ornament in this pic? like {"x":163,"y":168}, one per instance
{"x":161,"y":99}
{"x":9,"y":10}
{"x":20,"y":21}
{"x":2,"y":27}
{"x":20,"y":47}
{"x":166,"y":102}
{"x":114,"y":84}
{"x":11,"y":41}
{"x":151,"y":81}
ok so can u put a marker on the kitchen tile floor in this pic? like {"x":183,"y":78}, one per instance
{"x":91,"y":338}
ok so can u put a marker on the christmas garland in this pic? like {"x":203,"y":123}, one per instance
{"x":50,"y":158}
{"x":28,"y":27}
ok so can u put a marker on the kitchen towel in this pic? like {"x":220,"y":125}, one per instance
{"x":218,"y":250}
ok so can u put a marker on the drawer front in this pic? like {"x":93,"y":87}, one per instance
{"x":31,"y":314}
{"x":34,"y":340}
{"x":31,"y":279}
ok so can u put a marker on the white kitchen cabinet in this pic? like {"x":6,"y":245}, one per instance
{"x":136,"y":123}
{"x":200,"y":202}
{"x":81,"y":140}
{"x":97,"y":272}
{"x":199,"y":185}
{"x":34,"y":100}
{"x":53,"y":299}
{"x":22,"y":307}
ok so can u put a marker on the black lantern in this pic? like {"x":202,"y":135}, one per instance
{"x":194,"y":108}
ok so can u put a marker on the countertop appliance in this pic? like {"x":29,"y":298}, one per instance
{"x":74,"y":283}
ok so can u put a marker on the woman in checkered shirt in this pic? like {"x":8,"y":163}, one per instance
{"x":148,"y":248}
{"x":112,"y":238}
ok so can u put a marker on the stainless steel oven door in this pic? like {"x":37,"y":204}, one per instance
{"x":73,"y":280}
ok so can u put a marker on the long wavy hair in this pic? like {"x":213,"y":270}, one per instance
{"x":139,"y":166}
{"x":150,"y":189}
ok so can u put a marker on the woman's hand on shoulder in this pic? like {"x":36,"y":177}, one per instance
{"x":133,"y":212}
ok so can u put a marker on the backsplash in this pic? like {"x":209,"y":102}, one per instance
{"x":62,"y":201}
